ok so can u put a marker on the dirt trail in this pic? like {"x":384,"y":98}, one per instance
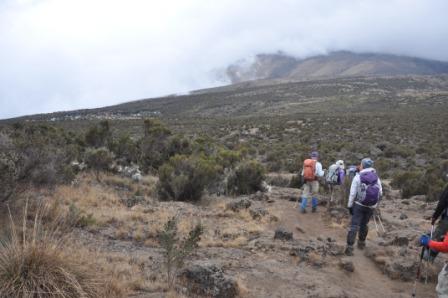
{"x":367,"y":280}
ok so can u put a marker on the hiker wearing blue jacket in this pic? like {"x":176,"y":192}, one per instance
{"x":365,"y":193}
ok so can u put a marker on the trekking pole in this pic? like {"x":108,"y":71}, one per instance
{"x":381,"y":223}
{"x":376,"y":226}
{"x":417,"y":277}
{"x":427,"y":256}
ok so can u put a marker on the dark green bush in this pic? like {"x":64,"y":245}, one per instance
{"x":99,"y":159}
{"x":184,"y":178}
{"x":247,"y":178}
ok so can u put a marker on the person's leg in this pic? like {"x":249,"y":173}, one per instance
{"x":314,"y":191}
{"x":364,"y":227}
{"x":305,"y":194}
{"x":353,"y":230}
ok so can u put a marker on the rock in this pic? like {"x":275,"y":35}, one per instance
{"x":347,"y":265}
{"x":129,"y":171}
{"x":237,"y":205}
{"x":400,"y":241}
{"x":405,"y":202}
{"x":282,"y":234}
{"x":335,"y":249}
{"x":402,"y":269}
{"x":258,"y":212}
{"x":421,"y":198}
{"x":137,"y":177}
{"x":208,"y":280}
{"x":259,"y":196}
{"x":300,"y":229}
{"x":403,"y":216}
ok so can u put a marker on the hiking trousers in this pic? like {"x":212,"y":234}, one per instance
{"x":359,"y":224}
{"x":310,"y":189}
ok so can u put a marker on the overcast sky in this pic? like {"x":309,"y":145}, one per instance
{"x":70,"y":54}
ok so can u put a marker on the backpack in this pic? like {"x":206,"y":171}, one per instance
{"x":368,"y":193}
{"x":333,"y":175}
{"x":309,"y":170}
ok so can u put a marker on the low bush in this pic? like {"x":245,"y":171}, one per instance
{"x":247,"y":178}
{"x":184,"y":178}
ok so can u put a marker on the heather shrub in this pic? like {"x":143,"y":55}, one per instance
{"x":247,"y":178}
{"x":98,"y":160}
{"x":184,"y":178}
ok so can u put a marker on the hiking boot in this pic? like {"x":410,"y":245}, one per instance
{"x":313,"y":209}
{"x":349,"y":250}
{"x":303,"y":210}
{"x":361,"y":244}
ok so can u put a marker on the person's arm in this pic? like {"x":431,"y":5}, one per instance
{"x":319,"y":171}
{"x":381,"y":187}
{"x":353,"y":191}
{"x":441,"y":205}
{"x":439,"y":246}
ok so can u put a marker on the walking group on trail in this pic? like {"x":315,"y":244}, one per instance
{"x":364,"y":196}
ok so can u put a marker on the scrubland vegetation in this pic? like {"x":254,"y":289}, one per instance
{"x":132,"y":183}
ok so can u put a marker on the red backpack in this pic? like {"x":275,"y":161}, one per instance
{"x":309,"y":169}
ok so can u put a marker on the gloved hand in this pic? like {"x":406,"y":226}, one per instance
{"x":350,"y":210}
{"x":424,"y":240}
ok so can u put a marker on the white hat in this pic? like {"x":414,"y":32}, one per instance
{"x":340,"y":163}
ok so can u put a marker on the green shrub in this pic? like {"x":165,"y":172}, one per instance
{"x":411,"y":183}
{"x":98,"y":160}
{"x":247,"y":178}
{"x":184,"y":178}
{"x":175,"y":249}
{"x":99,"y":135}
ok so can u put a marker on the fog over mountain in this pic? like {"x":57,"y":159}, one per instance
{"x":66,"y":54}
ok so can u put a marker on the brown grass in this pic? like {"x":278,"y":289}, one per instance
{"x":38,"y":264}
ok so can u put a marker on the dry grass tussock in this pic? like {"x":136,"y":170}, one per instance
{"x":35,"y":262}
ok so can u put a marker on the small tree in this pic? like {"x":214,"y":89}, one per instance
{"x":177,"y":250}
{"x":99,"y":160}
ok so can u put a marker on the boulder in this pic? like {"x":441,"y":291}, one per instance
{"x":208,"y":280}
{"x":240,"y":204}
{"x":137,"y":177}
{"x":282,"y":234}
{"x":347,"y":264}
{"x":403,"y":216}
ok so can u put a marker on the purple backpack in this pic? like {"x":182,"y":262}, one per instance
{"x":369,"y":189}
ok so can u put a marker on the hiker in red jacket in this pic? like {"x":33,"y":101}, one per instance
{"x":439,"y":246}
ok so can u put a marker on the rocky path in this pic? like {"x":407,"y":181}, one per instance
{"x":367,"y":280}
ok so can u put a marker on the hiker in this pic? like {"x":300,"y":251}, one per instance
{"x":442,"y":227}
{"x":365,"y":193}
{"x":312,"y":170}
{"x":442,"y":281}
{"x":335,"y":179}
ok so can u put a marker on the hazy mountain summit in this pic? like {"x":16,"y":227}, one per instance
{"x":335,"y":64}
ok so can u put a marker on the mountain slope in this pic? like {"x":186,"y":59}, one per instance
{"x":335,"y":64}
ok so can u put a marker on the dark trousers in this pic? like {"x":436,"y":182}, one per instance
{"x":359,"y":223}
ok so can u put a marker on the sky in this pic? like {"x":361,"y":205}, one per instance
{"x":71,"y":54}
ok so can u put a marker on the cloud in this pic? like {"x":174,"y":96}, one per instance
{"x":68,"y":54}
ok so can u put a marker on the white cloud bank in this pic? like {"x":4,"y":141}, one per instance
{"x":69,"y":54}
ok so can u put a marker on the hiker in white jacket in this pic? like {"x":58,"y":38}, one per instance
{"x":365,"y":193}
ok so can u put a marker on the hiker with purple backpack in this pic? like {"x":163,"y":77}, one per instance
{"x":365,"y":194}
